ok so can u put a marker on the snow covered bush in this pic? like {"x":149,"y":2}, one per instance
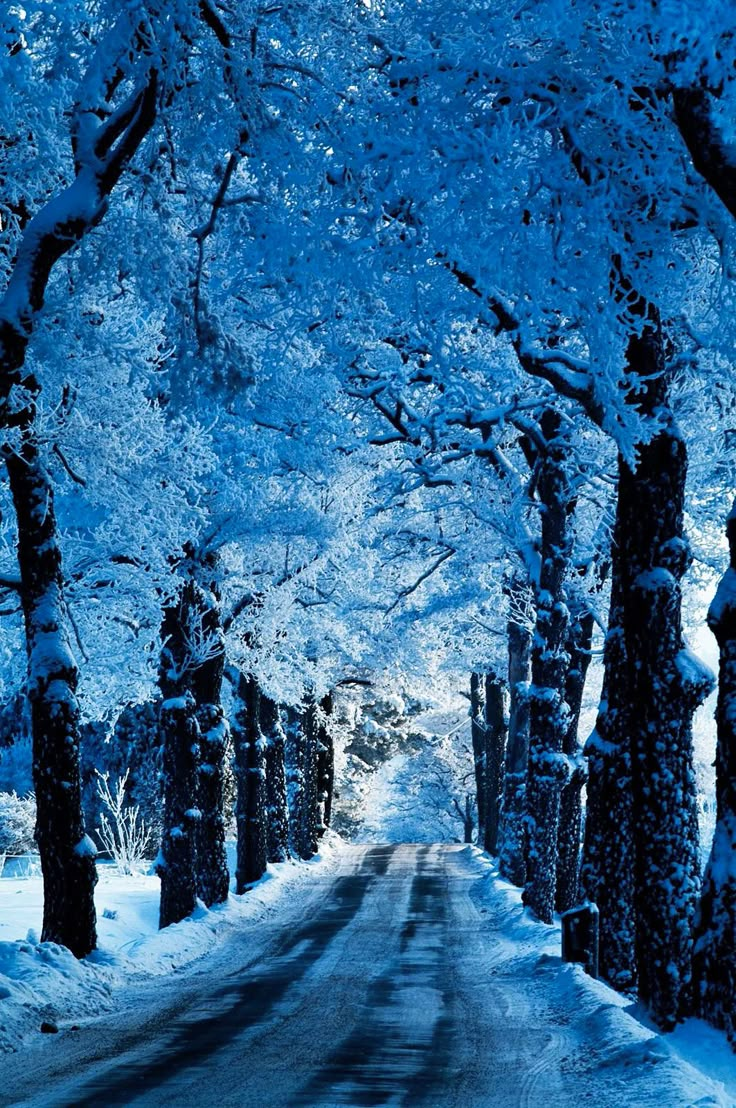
{"x":123,"y":833}
{"x":17,"y":823}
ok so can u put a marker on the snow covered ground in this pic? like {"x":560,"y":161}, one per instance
{"x":42,"y":982}
{"x":396,"y":972}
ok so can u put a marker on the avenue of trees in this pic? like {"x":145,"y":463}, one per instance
{"x":336,"y":338}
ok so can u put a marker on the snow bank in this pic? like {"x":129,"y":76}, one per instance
{"x":45,"y":983}
{"x":613,"y":1033}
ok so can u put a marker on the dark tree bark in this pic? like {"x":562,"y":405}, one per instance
{"x":512,"y":856}
{"x":295,"y":779}
{"x":607,"y":872}
{"x":277,"y":814}
{"x":213,"y":878}
{"x":548,"y":715}
{"x":580,"y":637}
{"x":67,"y":854}
{"x":325,"y":763}
{"x":715,"y":933}
{"x":177,"y":863}
{"x":310,"y":817}
{"x":495,"y":752}
{"x":467,"y":815}
{"x":179,"y":730}
{"x":478,"y":742}
{"x":250,"y":782}
{"x":641,"y":844}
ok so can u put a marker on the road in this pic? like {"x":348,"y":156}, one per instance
{"x":391,"y":984}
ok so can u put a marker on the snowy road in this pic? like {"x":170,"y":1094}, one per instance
{"x":395,"y":981}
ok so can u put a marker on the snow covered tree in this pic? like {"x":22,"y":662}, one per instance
{"x":114,"y":110}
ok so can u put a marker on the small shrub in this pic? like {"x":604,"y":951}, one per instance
{"x":17,"y":823}
{"x":123,"y":833}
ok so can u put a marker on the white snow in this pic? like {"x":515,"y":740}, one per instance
{"x":45,"y":982}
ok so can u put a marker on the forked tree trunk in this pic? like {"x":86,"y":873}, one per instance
{"x":495,"y":752}
{"x":512,"y":854}
{"x":277,"y":815}
{"x":579,"y":643}
{"x":478,"y":742}
{"x":715,"y":933}
{"x":548,"y":715}
{"x":250,"y":782}
{"x":67,"y":854}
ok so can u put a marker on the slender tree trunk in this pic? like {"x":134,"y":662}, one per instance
{"x":495,"y":750}
{"x":478,"y":741}
{"x":325,"y":763}
{"x":548,"y":710}
{"x":67,"y":854}
{"x":715,"y":934}
{"x":277,"y":814}
{"x":512,"y":856}
{"x":641,"y":844}
{"x":250,"y":781}
{"x":578,"y":647}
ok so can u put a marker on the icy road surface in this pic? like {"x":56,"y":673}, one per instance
{"x":401,"y":978}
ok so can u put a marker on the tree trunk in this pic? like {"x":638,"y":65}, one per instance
{"x":250,"y":780}
{"x":67,"y":854}
{"x":277,"y":815}
{"x":308,"y":832}
{"x":478,"y":741}
{"x":495,"y":750}
{"x":325,"y":763}
{"x":213,"y":878}
{"x":607,"y":862}
{"x":715,"y":933}
{"x":579,"y":642}
{"x":641,"y":844}
{"x":548,"y":715}
{"x":512,"y":855}
{"x":177,"y":865}
{"x":179,"y":728}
